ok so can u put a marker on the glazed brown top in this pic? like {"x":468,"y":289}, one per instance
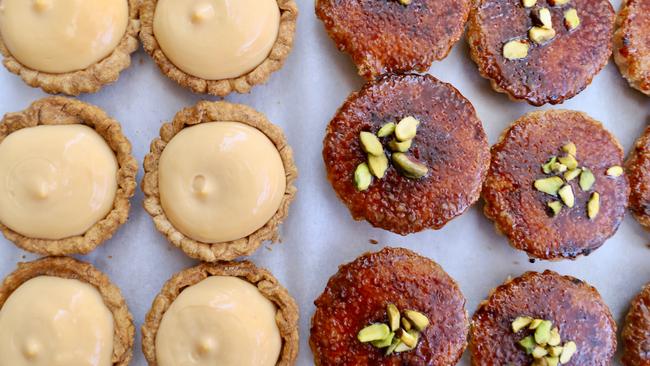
{"x":553,"y":72}
{"x":572,"y":305}
{"x":636,"y":334}
{"x":385,"y":36}
{"x":634,"y":47}
{"x":520,"y":211}
{"x":357,"y":295}
{"x":450,"y":141}
{"x":638,"y":171}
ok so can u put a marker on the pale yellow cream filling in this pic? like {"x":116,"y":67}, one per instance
{"x":59,"y":36}
{"x":55,"y":181}
{"x":216,"y":39}
{"x":220,"y":181}
{"x":221,"y":321}
{"x":52,"y":321}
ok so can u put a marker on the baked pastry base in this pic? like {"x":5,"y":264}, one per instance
{"x":631,"y":44}
{"x":70,"y":268}
{"x":636,"y":331}
{"x":241,"y":84}
{"x":90,"y":79}
{"x":286,"y":317}
{"x":203,"y":112}
{"x":65,"y":111}
{"x":638,"y":171}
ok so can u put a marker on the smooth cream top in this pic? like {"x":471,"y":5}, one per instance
{"x":59,"y":36}
{"x":221,"y":321}
{"x":55,"y":181}
{"x":220,"y":181}
{"x":52,"y":321}
{"x":216,"y":39}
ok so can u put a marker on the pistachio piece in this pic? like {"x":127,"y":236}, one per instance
{"x":520,"y":323}
{"x":548,"y":185}
{"x":539,"y":362}
{"x":558,"y":168}
{"x":373,"y":332}
{"x":555,"y":206}
{"x":535,"y":323}
{"x":552,"y":361}
{"x":405,"y":2}
{"x":547,"y":168}
{"x":397,"y":146}
{"x":528,"y":344}
{"x":370,"y":143}
{"x":570,"y":349}
{"x":569,"y":160}
{"x":545,"y":18}
{"x":516,"y":49}
{"x":558,"y":2}
{"x":406,"y":324}
{"x":571,"y":19}
{"x":386,"y":130}
{"x":362,"y":177}
{"x":403,"y":347}
{"x":570,"y":148}
{"x":539,"y":352}
{"x":615,"y":171}
{"x":406,"y":128}
{"x":409,"y":338}
{"x":417,"y":319}
{"x":529,"y":3}
{"x":572,"y":174}
{"x":593,"y":206}
{"x":555,"y":351}
{"x":409,"y":167}
{"x":396,"y":342}
{"x":566,"y":194}
{"x":555,"y":337}
{"x":384,"y":342}
{"x":378,"y":164}
{"x":393,"y":317}
{"x":543,"y":332}
{"x":541,"y":35}
{"x":587,"y":179}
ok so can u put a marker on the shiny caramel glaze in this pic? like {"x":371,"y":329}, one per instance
{"x":638,"y":171}
{"x":450,"y":141}
{"x":636,"y":332}
{"x":357,"y":295}
{"x":551,"y":73}
{"x":520,"y":211}
{"x":385,"y":36}
{"x":632,"y":43}
{"x":572,"y":305}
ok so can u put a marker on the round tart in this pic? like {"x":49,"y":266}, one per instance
{"x":218,"y":46}
{"x":85,"y":320}
{"x":393,"y":36}
{"x":403,"y":293}
{"x":638,"y":171}
{"x":67,"y":176}
{"x":636,"y":331}
{"x":219,"y":180}
{"x":565,"y":312}
{"x":555,"y":187}
{"x":443,"y":140}
{"x":69,"y":47}
{"x":226,"y":313}
{"x":545,"y":53}
{"x":632,"y":44}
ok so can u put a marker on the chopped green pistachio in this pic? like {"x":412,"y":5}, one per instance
{"x":393,"y":317}
{"x":555,"y":337}
{"x":406,"y":129}
{"x":552,"y":361}
{"x":386,"y":130}
{"x":615,"y":171}
{"x":558,"y":167}
{"x":539,"y":352}
{"x":373,"y":332}
{"x":405,"y":2}
{"x":569,"y":160}
{"x":593,"y":206}
{"x":570,"y":149}
{"x":417,"y":319}
{"x":555,"y":351}
{"x":397,"y":146}
{"x":384,"y":342}
{"x":409,"y":338}
{"x":520,"y":323}
{"x":411,"y":168}
{"x":545,"y":18}
{"x":555,"y":206}
{"x":378,"y":165}
{"x":566,"y":194}
{"x":402,"y":347}
{"x":546,"y":168}
{"x":570,"y":349}
{"x":396,"y":342}
{"x":587,"y":179}
{"x":541,"y":35}
{"x":543,"y":332}
{"x":571,"y":19}
{"x":558,"y":2}
{"x":406,"y":324}
{"x":535,"y":323}
{"x":548,"y":185}
{"x":516,"y":49}
{"x":362,"y":177}
{"x":528,"y":344}
{"x":370,"y":143}
{"x":572,"y":174}
{"x":529,"y":3}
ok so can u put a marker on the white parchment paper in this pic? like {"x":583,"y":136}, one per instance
{"x":319,"y":233}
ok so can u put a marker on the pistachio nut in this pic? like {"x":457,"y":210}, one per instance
{"x":409,"y":167}
{"x":552,"y":361}
{"x":384,"y":342}
{"x":417,"y":319}
{"x":587,"y":179}
{"x":566,"y":194}
{"x":406,"y":324}
{"x":593,"y":206}
{"x":373,"y":332}
{"x":558,"y":2}
{"x":543,"y":332}
{"x":555,"y":206}
{"x":548,"y":185}
{"x":516,"y":49}
{"x":570,"y":148}
{"x":555,"y":351}
{"x":403,"y":347}
{"x":394,"y":344}
{"x":572,"y":174}
{"x":362,"y":177}
{"x":541,"y":35}
{"x":547,"y":168}
{"x":406,"y":129}
{"x":520,"y":323}
{"x":615,"y":171}
{"x":409,"y":338}
{"x":558,"y":168}
{"x":386,"y":130}
{"x":378,"y":164}
{"x":535,"y":323}
{"x":528,"y":344}
{"x":393,"y":317}
{"x":370,"y":143}
{"x":570,"y":349}
{"x":555,"y":337}
{"x":569,"y":160}
{"x":539,"y":352}
{"x":405,"y":2}
{"x":529,"y":3}
{"x":545,"y":18}
{"x":397,"y":146}
{"x":571,"y":19}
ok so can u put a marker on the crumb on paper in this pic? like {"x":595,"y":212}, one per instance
{"x":268,"y":248}
{"x":531,"y":260}
{"x":373,"y":241}
{"x":110,"y":257}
